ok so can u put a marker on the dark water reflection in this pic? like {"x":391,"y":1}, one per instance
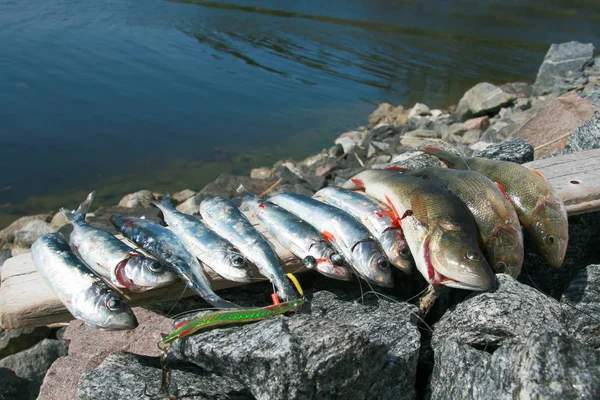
{"x":120,"y":95}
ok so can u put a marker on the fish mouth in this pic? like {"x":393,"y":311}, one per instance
{"x":330,"y":270}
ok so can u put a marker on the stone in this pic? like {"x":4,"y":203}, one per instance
{"x":31,"y":231}
{"x":509,"y":314}
{"x":358,"y":346}
{"x":336,"y":151}
{"x":59,"y":220}
{"x":522,"y":104}
{"x":381,"y":132}
{"x":447,"y":132}
{"x":261,"y":173}
{"x":411,"y":141}
{"x":227,"y":185}
{"x":546,"y":365}
{"x":471,"y":136}
{"x":16,"y":340}
{"x":7,"y":235}
{"x":419,"y":122}
{"x":180,"y":197}
{"x":555,"y":121}
{"x":586,"y":136}
{"x":520,"y":90}
{"x":13,"y":387}
{"x":515,"y":150}
{"x":137,"y":199}
{"x":381,"y":146}
{"x":481,"y":123}
{"x":416,"y":159}
{"x":499,"y":131}
{"x":122,"y":376}
{"x":562,"y":68}
{"x":419,"y":109}
{"x":380,"y":160}
{"x":480,"y":145}
{"x":581,"y":306}
{"x":423,"y":133}
{"x":435,"y":113}
{"x":4,"y":255}
{"x":85,"y":354}
{"x":483,"y":98}
{"x":299,"y":187}
{"x":387,"y":113}
{"x":32,"y":364}
{"x":350,"y":140}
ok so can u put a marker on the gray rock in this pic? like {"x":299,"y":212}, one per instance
{"x":31,"y":231}
{"x":500,"y":131}
{"x":419,"y":122}
{"x":4,"y":255}
{"x":336,"y":151}
{"x":471,"y":136}
{"x":300,"y":188}
{"x":424,"y":133}
{"x":482,"y":99}
{"x":16,"y":340}
{"x":7,"y":235}
{"x":515,"y":150}
{"x":32,"y":364}
{"x":447,"y":132}
{"x":586,"y":137}
{"x":544,"y":366}
{"x":381,"y":146}
{"x":592,"y":93}
{"x":182,"y":196}
{"x":419,"y":109}
{"x":137,"y":199}
{"x":581,"y":306}
{"x":520,"y":90}
{"x":562,"y":68}
{"x":342,"y":175}
{"x":12,"y":387}
{"x":338,"y":351}
{"x":509,"y":314}
{"x":122,"y":376}
{"x":381,"y":132}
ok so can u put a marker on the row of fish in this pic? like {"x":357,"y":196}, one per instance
{"x":435,"y":219}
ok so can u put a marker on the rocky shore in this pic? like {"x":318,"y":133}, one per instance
{"x":534,"y":337}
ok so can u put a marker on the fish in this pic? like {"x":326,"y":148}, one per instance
{"x":378,"y":218}
{"x":498,"y":223}
{"x":166,"y":247}
{"x":222,"y":216}
{"x":82,"y":292}
{"x":300,"y":238}
{"x":439,"y":228}
{"x":541,"y":211}
{"x":214,"y":251}
{"x":348,"y":236}
{"x":118,"y":263}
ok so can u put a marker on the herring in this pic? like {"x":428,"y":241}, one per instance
{"x":298,"y":237}
{"x":166,"y":247}
{"x":222,"y":216}
{"x":348,"y":236}
{"x":439,"y":228}
{"x":378,"y":218}
{"x":112,"y":259}
{"x":541,"y":211}
{"x":214,"y":251}
{"x":498,"y":223}
{"x":81,"y":291}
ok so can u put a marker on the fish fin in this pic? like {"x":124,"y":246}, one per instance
{"x":84,"y":207}
{"x":418,"y":210}
{"x":503,"y":191}
{"x":451,"y":160}
{"x":396,"y":168}
{"x":354,"y":183}
{"x":538,"y":173}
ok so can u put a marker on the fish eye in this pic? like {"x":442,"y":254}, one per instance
{"x":473,"y":255}
{"x":113,"y":303}
{"x":155,"y":267}
{"x":238,"y":261}
{"x":309,"y":262}
{"x":383,"y":264}
{"x":337,"y":259}
{"x":550,"y":239}
{"x":501,"y":267}
{"x":404,"y":251}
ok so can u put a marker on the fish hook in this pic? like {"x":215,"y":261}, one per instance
{"x":165,"y":382}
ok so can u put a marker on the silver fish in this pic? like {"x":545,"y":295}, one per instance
{"x":345,"y":234}
{"x":378,"y":218}
{"x":166,"y":247}
{"x":82,"y":292}
{"x":112,"y":259}
{"x":223,"y":217}
{"x":214,"y":251}
{"x":298,"y":237}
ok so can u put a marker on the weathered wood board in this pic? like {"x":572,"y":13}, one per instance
{"x":27,"y":301}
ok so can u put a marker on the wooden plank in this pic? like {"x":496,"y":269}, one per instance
{"x":27,"y":301}
{"x":576,"y":177}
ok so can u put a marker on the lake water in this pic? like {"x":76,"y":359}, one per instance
{"x":120,"y":95}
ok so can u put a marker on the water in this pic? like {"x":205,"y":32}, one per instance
{"x":120,"y":95}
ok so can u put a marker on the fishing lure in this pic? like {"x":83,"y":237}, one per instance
{"x":237,"y":316}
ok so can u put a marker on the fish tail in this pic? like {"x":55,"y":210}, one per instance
{"x":72,"y":216}
{"x":165,"y":203}
{"x":166,"y":200}
{"x":84,"y":207}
